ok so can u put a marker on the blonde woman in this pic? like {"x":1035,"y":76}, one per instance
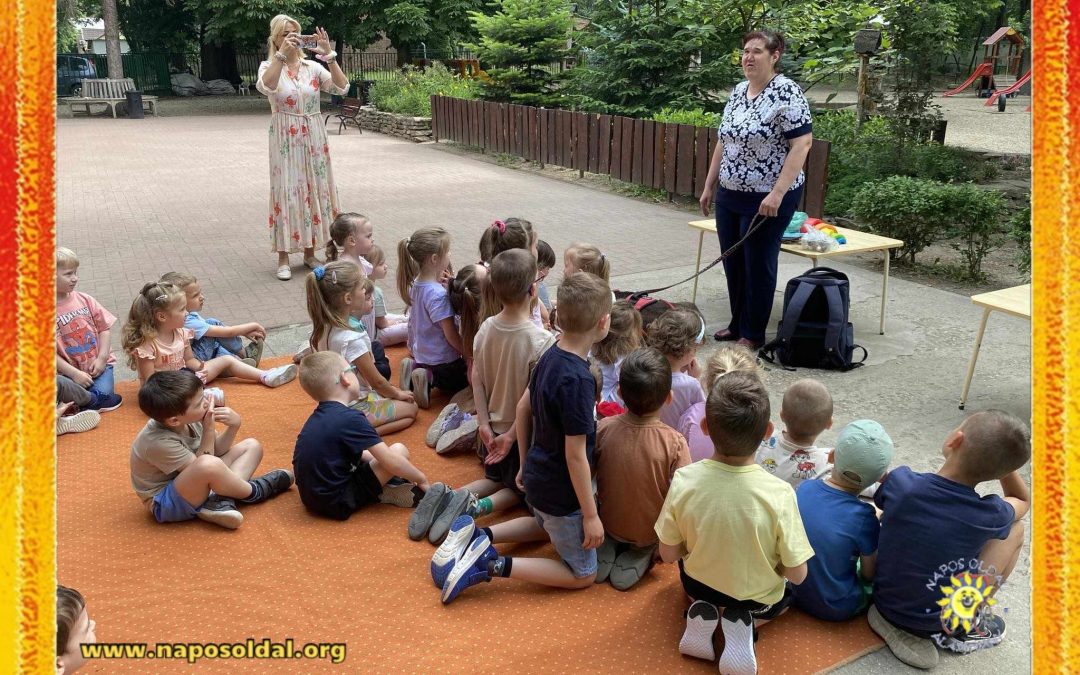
{"x":303,"y":199}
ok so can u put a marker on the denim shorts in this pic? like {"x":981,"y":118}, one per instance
{"x":567,"y":533}
{"x":170,"y":507}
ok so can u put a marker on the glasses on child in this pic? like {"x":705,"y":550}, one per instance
{"x":351,"y":369}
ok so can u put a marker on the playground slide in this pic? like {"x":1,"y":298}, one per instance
{"x":1011,"y":90}
{"x":984,"y":69}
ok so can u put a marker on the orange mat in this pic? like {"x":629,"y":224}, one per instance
{"x":286,"y":574}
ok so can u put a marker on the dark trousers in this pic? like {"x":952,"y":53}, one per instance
{"x":751,"y":270}
{"x":449,"y":378}
{"x":382,"y":364}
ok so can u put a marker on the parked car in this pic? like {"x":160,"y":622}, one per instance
{"x":70,"y":72}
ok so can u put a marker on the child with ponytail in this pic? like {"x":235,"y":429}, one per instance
{"x":351,"y":237}
{"x":723,"y":361}
{"x":433,"y":338}
{"x":389,"y":329}
{"x":624,"y":336}
{"x":502,"y":236}
{"x":334,"y":292}
{"x":155,"y":339}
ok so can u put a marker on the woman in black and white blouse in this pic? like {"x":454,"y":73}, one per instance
{"x":764,"y":137}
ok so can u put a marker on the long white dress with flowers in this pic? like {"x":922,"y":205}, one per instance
{"x":303,"y":199}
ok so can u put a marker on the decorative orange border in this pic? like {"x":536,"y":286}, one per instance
{"x":27,"y":477}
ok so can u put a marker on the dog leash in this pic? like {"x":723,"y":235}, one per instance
{"x":757,"y":222}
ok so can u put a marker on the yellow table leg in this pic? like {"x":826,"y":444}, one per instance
{"x":884,"y":293}
{"x":697,"y":265}
{"x":974,"y":357}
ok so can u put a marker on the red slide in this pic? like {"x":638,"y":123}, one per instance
{"x":985,"y":69}
{"x":1015,"y":87}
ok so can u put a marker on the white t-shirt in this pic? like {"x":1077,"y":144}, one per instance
{"x":793,"y":463}
{"x":350,"y":344}
{"x":685,"y":392}
{"x":610,"y":390}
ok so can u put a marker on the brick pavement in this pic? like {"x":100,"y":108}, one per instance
{"x":136,"y":198}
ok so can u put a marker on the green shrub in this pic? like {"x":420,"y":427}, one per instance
{"x":697,"y":117}
{"x":973,"y":218}
{"x":1020,"y":231}
{"x":838,"y":127}
{"x":903,"y":208}
{"x":410,"y":93}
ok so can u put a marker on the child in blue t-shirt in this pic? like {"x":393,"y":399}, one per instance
{"x":842,"y":529}
{"x":556,"y":431}
{"x":211,"y":337}
{"x":935,"y":527}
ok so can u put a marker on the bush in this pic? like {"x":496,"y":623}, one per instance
{"x":903,"y":208}
{"x":410,"y":93}
{"x":1020,"y":231}
{"x":697,"y":117}
{"x":974,"y":219}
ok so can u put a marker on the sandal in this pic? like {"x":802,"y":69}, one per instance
{"x":724,"y":335}
{"x":284,"y":273}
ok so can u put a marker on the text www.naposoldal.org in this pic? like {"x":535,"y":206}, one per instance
{"x":195,"y":651}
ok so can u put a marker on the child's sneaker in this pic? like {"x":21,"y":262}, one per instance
{"x":448,"y":418}
{"x":471,"y":569}
{"x":400,"y":492}
{"x":605,"y":558}
{"x":911,"y":649}
{"x":458,"y":504}
{"x":738,"y":657}
{"x":104,"y":402}
{"x":630,"y":566}
{"x":421,"y":387}
{"x":79,"y":422}
{"x":275,"y":377}
{"x":405,"y":374}
{"x":461,"y":437}
{"x":462,"y":531}
{"x":988,"y":630}
{"x":697,"y":640}
{"x":220,"y":511}
{"x":254,"y":351}
{"x":433,"y":502}
{"x":269,"y":485}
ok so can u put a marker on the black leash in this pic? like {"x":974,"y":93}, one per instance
{"x":758,"y":220}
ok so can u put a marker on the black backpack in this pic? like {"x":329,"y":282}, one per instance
{"x":814,"y":331}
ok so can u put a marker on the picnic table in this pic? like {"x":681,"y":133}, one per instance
{"x":857,"y":242}
{"x":1014,"y":301}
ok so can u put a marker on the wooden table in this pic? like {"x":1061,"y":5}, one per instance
{"x":857,"y":242}
{"x":1015,"y":301}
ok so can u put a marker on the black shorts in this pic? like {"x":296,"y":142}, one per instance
{"x":382,"y":364}
{"x":504,"y":471}
{"x":449,"y":378}
{"x":362,"y":489}
{"x":699,"y":591}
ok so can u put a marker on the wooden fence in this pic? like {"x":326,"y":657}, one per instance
{"x":671,"y":157}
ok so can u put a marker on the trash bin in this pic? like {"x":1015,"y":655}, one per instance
{"x":365,"y":91}
{"x":134,"y":104}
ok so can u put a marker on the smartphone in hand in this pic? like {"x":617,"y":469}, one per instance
{"x":310,"y":42}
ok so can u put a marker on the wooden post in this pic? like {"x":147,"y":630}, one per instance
{"x":863,"y":90}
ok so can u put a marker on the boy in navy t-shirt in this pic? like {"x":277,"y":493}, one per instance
{"x":556,"y":424}
{"x":341,"y":463}
{"x":943,"y":549}
{"x":842,"y":529}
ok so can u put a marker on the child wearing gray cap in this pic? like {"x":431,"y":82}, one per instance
{"x":843,"y":530}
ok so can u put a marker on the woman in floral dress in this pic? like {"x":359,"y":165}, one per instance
{"x":303,"y":199}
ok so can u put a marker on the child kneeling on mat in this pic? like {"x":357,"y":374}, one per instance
{"x":729,"y":499}
{"x":182,"y":468}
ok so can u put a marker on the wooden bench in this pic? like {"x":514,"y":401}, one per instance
{"x":107,"y":92}
{"x":348,"y":112}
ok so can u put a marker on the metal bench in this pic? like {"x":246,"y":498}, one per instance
{"x":348,"y":112}
{"x":107,"y":92}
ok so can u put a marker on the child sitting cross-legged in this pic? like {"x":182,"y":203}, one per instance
{"x":211,"y":338}
{"x":182,"y":468}
{"x":842,"y":529}
{"x":790,"y":454}
{"x":341,"y":463}
{"x":937,"y":531}
{"x":556,"y":429}
{"x":734,"y":529}
{"x":636,"y":456}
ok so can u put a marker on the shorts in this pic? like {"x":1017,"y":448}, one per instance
{"x":504,"y":471}
{"x":170,"y":507}
{"x":449,"y":378}
{"x":378,"y":410}
{"x":567,"y":533}
{"x":378,"y":354}
{"x":363,"y":489}
{"x":699,"y":591}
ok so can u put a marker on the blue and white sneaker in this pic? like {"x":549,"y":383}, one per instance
{"x":471,"y":569}
{"x":462,"y":532}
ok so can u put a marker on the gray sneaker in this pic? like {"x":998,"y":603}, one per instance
{"x":605,"y":558}
{"x":911,"y":649}
{"x":400,"y":492}
{"x":433,"y":502}
{"x":630,"y":566}
{"x":220,"y":511}
{"x":420,"y":381}
{"x":448,"y":418}
{"x":461,"y":437}
{"x":458,"y":504}
{"x":254,"y":351}
{"x":405,"y":374}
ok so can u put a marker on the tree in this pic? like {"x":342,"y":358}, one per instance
{"x":112,"y":39}
{"x":521,"y":41}
{"x":159,"y":26}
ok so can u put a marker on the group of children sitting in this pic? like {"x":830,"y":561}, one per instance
{"x":684,"y":464}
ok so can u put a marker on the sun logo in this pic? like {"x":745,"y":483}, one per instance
{"x":963,"y":597}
